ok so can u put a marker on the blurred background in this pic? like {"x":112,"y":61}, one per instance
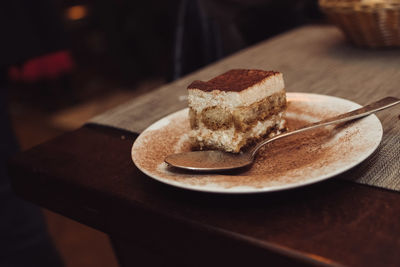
{"x":63,"y":62}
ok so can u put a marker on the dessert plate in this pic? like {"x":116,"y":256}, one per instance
{"x":292,"y":162}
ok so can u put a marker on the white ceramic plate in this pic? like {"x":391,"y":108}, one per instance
{"x":294,"y":162}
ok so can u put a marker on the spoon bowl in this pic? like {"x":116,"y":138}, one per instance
{"x":209,"y":160}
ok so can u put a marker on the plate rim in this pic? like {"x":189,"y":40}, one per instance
{"x":254,"y":190}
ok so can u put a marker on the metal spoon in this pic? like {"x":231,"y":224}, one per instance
{"x":213,"y":160}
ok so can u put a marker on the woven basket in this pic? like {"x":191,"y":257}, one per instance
{"x":367,"y":23}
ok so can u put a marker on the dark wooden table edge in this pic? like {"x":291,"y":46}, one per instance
{"x":15,"y":167}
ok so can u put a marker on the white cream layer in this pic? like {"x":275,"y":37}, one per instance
{"x":198,"y":99}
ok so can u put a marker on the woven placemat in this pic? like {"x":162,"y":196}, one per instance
{"x":313,"y":59}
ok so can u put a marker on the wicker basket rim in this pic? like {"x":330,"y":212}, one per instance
{"x":367,"y":6}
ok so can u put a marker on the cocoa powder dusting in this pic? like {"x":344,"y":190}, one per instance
{"x":293,"y":152}
{"x":234,"y":80}
{"x":289,"y":160}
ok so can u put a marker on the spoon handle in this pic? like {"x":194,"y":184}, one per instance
{"x":352,"y":115}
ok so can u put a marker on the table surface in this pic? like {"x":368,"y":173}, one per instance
{"x":88,"y":175}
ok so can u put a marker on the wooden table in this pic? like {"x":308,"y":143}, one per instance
{"x":88,"y":175}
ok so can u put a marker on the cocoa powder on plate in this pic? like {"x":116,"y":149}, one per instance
{"x":289,"y":160}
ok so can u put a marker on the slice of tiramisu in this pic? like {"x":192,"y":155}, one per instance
{"x":236,"y":108}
